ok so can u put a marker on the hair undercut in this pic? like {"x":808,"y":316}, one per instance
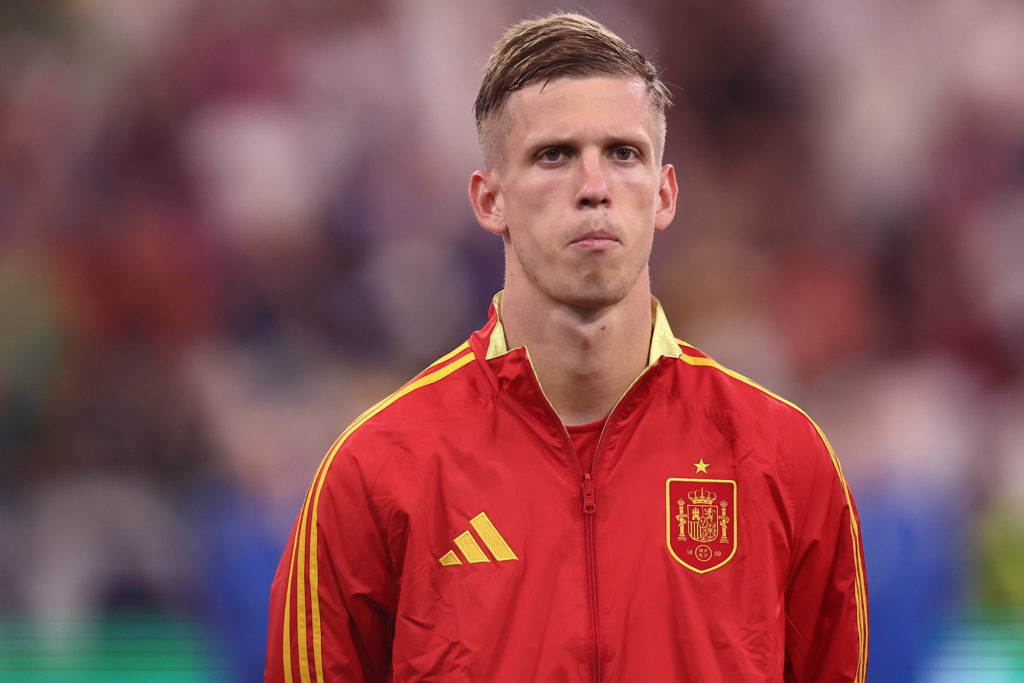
{"x":557,"y":46}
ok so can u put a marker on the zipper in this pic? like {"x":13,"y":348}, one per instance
{"x":589,"y":538}
{"x":589,"y":511}
{"x":589,"y":543}
{"x":590,"y":559}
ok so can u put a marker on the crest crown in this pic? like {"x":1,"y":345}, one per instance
{"x":701,"y":497}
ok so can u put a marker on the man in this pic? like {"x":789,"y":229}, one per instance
{"x":573,"y":494}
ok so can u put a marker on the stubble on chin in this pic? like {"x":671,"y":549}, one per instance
{"x":595,"y":290}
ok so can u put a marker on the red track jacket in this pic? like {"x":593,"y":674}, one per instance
{"x":450,"y":534}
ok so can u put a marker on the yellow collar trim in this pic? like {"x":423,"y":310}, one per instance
{"x":663,"y":341}
{"x":497,"y":346}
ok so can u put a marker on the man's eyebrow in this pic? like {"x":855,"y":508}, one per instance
{"x":630,"y":141}
{"x":544,"y":143}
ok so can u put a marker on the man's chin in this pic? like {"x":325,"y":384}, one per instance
{"x":594,"y":297}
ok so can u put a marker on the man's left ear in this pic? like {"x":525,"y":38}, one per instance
{"x":665,"y":202}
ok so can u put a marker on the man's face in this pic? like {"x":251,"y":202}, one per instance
{"x":579,"y":191}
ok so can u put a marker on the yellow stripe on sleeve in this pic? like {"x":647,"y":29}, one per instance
{"x":286,"y":630}
{"x":325,"y":467}
{"x":860,"y":589}
{"x":299,"y":533}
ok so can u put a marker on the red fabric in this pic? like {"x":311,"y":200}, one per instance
{"x":591,"y":595}
{"x":584,"y":442}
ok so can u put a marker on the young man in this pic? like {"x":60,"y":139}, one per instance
{"x":573,"y":494}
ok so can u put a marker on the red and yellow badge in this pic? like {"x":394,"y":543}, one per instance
{"x":701,"y":522}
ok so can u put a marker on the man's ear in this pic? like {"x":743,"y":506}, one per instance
{"x":484,"y":196}
{"x":665,"y":202}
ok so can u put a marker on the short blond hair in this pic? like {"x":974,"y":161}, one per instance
{"x":560,"y":45}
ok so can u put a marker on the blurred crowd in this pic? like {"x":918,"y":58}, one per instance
{"x":226,"y":228}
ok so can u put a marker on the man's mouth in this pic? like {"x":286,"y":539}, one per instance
{"x":596,"y":240}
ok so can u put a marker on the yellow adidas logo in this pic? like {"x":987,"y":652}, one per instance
{"x":472,"y":551}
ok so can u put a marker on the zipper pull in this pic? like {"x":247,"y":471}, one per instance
{"x":589,"y":501}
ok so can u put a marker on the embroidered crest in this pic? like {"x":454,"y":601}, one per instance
{"x":701,"y":522}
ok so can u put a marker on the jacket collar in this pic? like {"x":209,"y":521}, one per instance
{"x":663,"y":342}
{"x":511,"y":373}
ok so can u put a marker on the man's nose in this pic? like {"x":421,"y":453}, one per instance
{"x":593,"y":186}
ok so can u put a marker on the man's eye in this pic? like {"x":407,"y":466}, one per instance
{"x":551,"y":154}
{"x":624,"y":154}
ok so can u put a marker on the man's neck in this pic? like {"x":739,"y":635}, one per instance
{"x":585,"y":359}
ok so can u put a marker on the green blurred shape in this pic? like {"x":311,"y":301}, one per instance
{"x":999,"y":557}
{"x":986,"y":646}
{"x":135,"y":646}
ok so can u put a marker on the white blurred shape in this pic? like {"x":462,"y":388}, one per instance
{"x":252,"y":167}
{"x":994,"y":251}
{"x":85,"y":536}
{"x":914,"y":422}
{"x":991,"y":59}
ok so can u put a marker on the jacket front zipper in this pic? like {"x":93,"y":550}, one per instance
{"x":589,"y":513}
{"x":590,"y":561}
{"x":589,"y":537}
{"x":589,"y":542}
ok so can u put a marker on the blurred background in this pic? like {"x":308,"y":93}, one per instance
{"x":226,"y":228}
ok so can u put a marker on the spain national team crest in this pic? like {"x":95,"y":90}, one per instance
{"x":701,"y":521}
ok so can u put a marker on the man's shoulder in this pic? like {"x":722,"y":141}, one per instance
{"x":747,"y":410}
{"x":440,"y":393}
{"x":399,"y":432}
{"x":722,"y":388}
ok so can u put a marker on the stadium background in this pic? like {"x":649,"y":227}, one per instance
{"x":227,"y":227}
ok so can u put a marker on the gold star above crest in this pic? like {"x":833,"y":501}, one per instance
{"x":701,"y":466}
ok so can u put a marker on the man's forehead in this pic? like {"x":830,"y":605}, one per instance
{"x":568,"y":102}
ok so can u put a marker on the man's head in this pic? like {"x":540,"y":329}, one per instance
{"x":557,"y":46}
{"x":572,"y":121}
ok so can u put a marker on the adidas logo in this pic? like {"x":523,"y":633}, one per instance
{"x":472,"y":551}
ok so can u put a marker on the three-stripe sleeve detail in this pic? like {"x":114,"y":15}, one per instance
{"x":304,"y":558}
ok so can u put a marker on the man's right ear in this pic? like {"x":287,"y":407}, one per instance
{"x":485,"y":197}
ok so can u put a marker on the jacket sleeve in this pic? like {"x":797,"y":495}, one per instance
{"x":332,"y":602}
{"x":826,"y":595}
